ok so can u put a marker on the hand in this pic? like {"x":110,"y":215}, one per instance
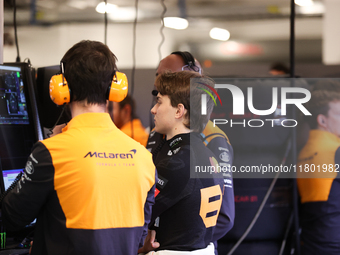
{"x":149,"y":243}
{"x":57,"y":129}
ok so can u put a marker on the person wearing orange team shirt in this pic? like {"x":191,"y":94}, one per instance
{"x":123,"y":115}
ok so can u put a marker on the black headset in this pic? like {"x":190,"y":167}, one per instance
{"x":189,"y":61}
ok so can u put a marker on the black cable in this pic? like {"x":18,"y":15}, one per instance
{"x":133,"y":70}
{"x":61,"y":114}
{"x":161,"y":31}
{"x":292,"y":39}
{"x":284,"y":241}
{"x":105,"y":23}
{"x":294,"y":149}
{"x":15,"y":30}
{"x":28,"y":61}
{"x":251,"y":225}
{"x":160,"y":57}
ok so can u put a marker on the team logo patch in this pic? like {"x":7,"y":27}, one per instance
{"x":224,"y":156}
{"x":161,"y":182}
{"x":111,"y":155}
{"x":29,"y":167}
{"x":156,"y":192}
{"x":177,"y":150}
{"x":175,"y":141}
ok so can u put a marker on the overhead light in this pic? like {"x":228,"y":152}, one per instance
{"x":304,"y":2}
{"x":317,"y":8}
{"x":219,"y":34}
{"x":176,"y":23}
{"x":101,"y":8}
{"x":125,"y":14}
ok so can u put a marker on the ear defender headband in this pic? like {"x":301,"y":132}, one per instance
{"x":189,"y":61}
{"x":60,"y":92}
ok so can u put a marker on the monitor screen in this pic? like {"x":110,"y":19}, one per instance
{"x":13,"y":103}
{"x":19,"y":121}
{"x":9,"y":176}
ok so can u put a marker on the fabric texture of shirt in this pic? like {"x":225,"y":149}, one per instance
{"x":217,"y":141}
{"x":91,"y":189}
{"x":187,"y":204}
{"x":319,"y":191}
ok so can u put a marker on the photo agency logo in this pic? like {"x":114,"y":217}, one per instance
{"x":238,"y":102}
{"x":204,"y":97}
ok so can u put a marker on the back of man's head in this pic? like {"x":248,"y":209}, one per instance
{"x":278,"y":69}
{"x":179,"y":61}
{"x":89,"y":67}
{"x":319,"y":104}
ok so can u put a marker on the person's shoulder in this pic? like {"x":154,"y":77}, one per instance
{"x":212,"y":131}
{"x":175,"y":166}
{"x":176,"y":154}
{"x":124,"y":139}
{"x":197,"y":146}
{"x":60,"y":138}
{"x":322,"y":141}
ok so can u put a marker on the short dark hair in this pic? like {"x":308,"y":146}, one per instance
{"x":176,"y":85}
{"x":128,"y":100}
{"x":278,"y":66}
{"x":319,"y":104}
{"x":327,"y":84}
{"x":89,"y":70}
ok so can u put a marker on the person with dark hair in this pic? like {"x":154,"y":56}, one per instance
{"x":183,"y":215}
{"x":214,"y":138}
{"x":318,"y":177}
{"x":278,"y":69}
{"x":124,"y":117}
{"x":90,"y":187}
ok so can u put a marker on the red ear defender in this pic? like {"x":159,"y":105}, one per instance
{"x":59,"y":90}
{"x":119,"y":88}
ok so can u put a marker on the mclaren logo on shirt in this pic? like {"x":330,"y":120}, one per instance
{"x":111,"y":155}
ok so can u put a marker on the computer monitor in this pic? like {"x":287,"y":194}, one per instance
{"x":8,"y":180}
{"x":19,"y":119}
{"x":9,"y":176}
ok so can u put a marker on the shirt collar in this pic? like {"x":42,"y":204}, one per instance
{"x":91,"y":119}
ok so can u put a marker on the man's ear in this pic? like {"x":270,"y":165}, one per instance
{"x":322,"y":121}
{"x":180,"y":111}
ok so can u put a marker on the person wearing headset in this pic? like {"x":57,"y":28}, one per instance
{"x":124,"y":117}
{"x":90,"y":187}
{"x":187,"y":201}
{"x":213,"y":137}
{"x":318,"y":174}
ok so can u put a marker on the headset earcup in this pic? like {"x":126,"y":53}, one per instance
{"x":59,"y":90}
{"x":119,"y":88}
